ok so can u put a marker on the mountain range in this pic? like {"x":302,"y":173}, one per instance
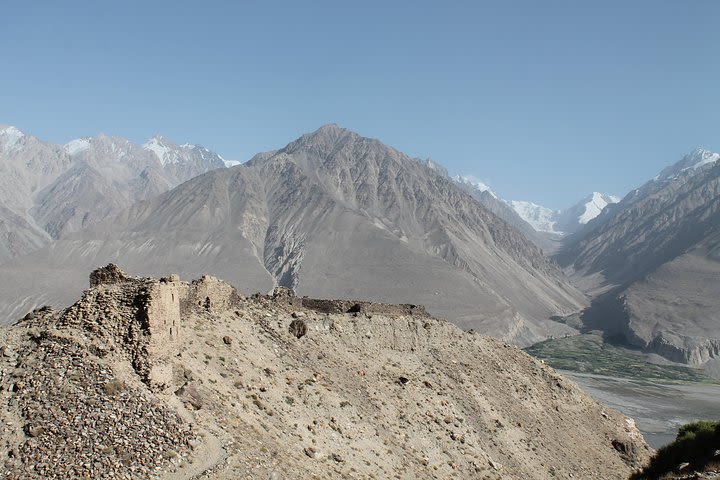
{"x":652,"y":262}
{"x":335,"y":214}
{"x":330,"y":214}
{"x":49,"y":190}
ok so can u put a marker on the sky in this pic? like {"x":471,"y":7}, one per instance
{"x":544,"y":101}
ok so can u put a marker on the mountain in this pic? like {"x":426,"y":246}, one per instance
{"x":489,"y":199}
{"x":144,"y":378}
{"x":541,"y":219}
{"x":48,"y":191}
{"x":563,"y":222}
{"x":332,"y":214}
{"x":655,"y":262}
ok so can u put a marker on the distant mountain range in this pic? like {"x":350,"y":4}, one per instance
{"x":335,"y":214}
{"x":331,"y":214}
{"x":563,"y":222}
{"x":48,"y":190}
{"x":543,"y":226}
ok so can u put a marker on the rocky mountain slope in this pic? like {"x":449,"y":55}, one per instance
{"x":655,"y":256}
{"x":502,"y":209}
{"x":47,"y":190}
{"x":147,"y":378}
{"x":331,"y":214}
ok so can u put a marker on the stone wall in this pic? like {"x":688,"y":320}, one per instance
{"x":211,"y":294}
{"x":286,"y":296}
{"x":353,"y":306}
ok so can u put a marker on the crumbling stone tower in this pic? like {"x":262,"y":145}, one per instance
{"x":164,"y":322}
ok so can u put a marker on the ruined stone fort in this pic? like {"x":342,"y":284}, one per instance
{"x":146,"y":315}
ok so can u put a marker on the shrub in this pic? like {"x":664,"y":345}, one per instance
{"x":696,"y":444}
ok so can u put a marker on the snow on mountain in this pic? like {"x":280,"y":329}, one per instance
{"x":594,"y":205}
{"x":171,"y":154}
{"x":76,"y":146}
{"x":164,"y":153}
{"x":702,"y":157}
{"x":561,"y":222}
{"x":692,"y":161}
{"x":542,"y":219}
{"x":475,"y":183}
{"x":12,"y":137}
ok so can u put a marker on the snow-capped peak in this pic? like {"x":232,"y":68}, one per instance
{"x":542,"y":219}
{"x":594,"y":204}
{"x":73,"y":147}
{"x":475,"y":183}
{"x":690,"y":162}
{"x":12,"y":136}
{"x":163,"y":152}
{"x":699,"y":157}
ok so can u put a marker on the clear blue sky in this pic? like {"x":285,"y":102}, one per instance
{"x":545,"y":101}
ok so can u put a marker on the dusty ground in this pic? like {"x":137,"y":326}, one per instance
{"x":359,"y":395}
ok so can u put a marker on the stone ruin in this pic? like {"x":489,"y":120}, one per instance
{"x":164,"y":320}
{"x":211,"y":294}
{"x":286,"y":296}
{"x":108,"y":274}
{"x":160,"y":306}
{"x":146,"y":315}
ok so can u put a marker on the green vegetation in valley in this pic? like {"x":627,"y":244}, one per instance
{"x":696,"y":448}
{"x":590,"y":354}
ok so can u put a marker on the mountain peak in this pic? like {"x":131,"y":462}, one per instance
{"x":474,"y":183}
{"x":540,"y":218}
{"x":693,"y":160}
{"x":699,"y":157}
{"x":543,"y":219}
{"x":331,"y":131}
{"x":592,"y":205}
{"x":73,"y":147}
{"x":325,"y":139}
{"x":12,"y":136}
{"x":163,"y":149}
{"x":10,"y":130}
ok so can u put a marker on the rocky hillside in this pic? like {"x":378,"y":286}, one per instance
{"x":332,"y":214}
{"x":147,"y":378}
{"x":655,"y":256}
{"x":504,"y":210}
{"x":48,"y":190}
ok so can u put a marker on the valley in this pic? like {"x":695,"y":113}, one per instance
{"x":660,"y":397}
{"x":658,"y":408}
